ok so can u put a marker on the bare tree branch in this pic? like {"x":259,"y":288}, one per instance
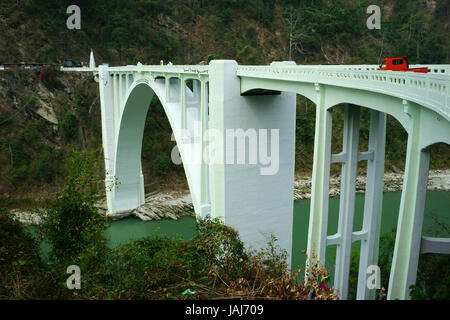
{"x":293,"y":19}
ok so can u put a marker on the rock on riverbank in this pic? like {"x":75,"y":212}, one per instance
{"x":160,"y":205}
{"x":437,"y":180}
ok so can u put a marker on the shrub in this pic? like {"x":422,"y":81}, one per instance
{"x":72,"y":223}
{"x":22,"y":273}
{"x":69,"y":126}
{"x":48,"y":164}
{"x":433,"y":276}
{"x":151,"y":268}
{"x":162,"y":164}
{"x":262,"y":274}
{"x":49,"y":77}
{"x":219,"y":246}
{"x":214,"y":263}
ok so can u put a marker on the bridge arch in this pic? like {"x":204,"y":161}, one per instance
{"x":334,"y":95}
{"x":127,"y":189}
{"x":374,"y":101}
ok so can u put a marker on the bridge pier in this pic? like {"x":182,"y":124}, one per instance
{"x":248,"y":199}
{"x":372,"y":202}
{"x":412,"y":205}
{"x":205,"y":203}
{"x":349,"y":157}
{"x":320,"y":183}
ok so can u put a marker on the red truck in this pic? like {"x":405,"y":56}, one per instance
{"x":399,"y":64}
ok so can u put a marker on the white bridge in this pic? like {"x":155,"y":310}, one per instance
{"x":225,"y":96}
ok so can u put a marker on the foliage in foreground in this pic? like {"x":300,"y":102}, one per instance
{"x":433,"y":275}
{"x":23,"y":274}
{"x":152,"y":268}
{"x":72,"y":224}
{"x":214,"y":264}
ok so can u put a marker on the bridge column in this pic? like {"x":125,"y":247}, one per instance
{"x":318,"y":214}
{"x":183,"y":103}
{"x":120,"y":88}
{"x":141,"y":187}
{"x":204,"y":174}
{"x":166,"y":87}
{"x":412,"y":205}
{"x":255,"y":198}
{"x":349,"y":157}
{"x":372,"y":203}
{"x":108,"y":115}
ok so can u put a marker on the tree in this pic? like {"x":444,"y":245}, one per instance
{"x":120,"y":39}
{"x":293,"y":18}
{"x":72,"y":224}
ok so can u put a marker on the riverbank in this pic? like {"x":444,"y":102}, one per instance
{"x":176,"y":204}
{"x":160,"y":205}
{"x":437,"y":180}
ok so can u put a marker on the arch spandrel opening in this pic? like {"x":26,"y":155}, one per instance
{"x":160,"y":172}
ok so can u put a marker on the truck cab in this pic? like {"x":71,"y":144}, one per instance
{"x":395,"y":64}
{"x":399,"y":64}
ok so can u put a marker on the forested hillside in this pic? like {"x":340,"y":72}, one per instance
{"x":42,"y":121}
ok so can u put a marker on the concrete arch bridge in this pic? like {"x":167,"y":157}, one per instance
{"x":235,"y":130}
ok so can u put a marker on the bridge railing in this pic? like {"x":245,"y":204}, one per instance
{"x":173,"y":69}
{"x":433,"y":68}
{"x":431,"y":90}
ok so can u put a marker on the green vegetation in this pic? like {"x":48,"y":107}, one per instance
{"x":213,"y":264}
{"x":49,"y":165}
{"x":22,"y":272}
{"x":151,"y":268}
{"x":71,"y":224}
{"x":69,"y":126}
{"x":433,"y":281}
{"x":323,"y":31}
{"x":433,"y":276}
{"x":157,"y":145}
